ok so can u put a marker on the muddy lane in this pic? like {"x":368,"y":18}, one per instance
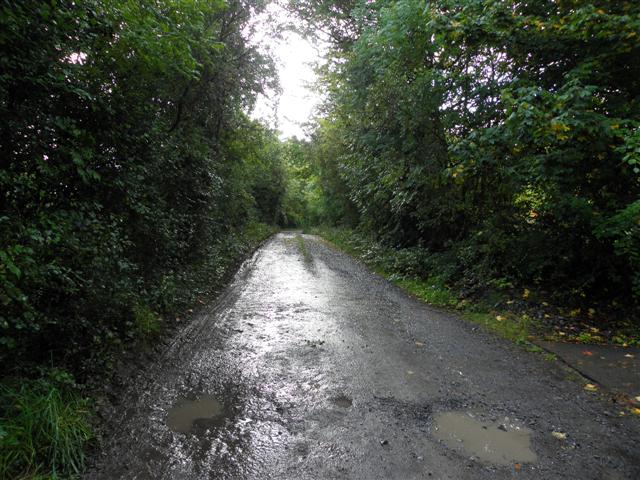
{"x":311,"y":367}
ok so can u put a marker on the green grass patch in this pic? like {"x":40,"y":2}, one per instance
{"x":303,"y":249}
{"x":148,"y":325}
{"x":432,"y":291}
{"x":510,"y":326}
{"x":44,"y":428}
{"x":254,"y":233}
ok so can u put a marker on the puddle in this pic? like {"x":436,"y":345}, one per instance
{"x":188,"y":415}
{"x":342,"y":401}
{"x":501,"y":443}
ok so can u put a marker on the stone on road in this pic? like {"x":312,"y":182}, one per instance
{"x":310,"y":367}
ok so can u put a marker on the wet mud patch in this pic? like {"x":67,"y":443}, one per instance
{"x":501,"y":442}
{"x":193,"y":415}
{"x":342,"y":401}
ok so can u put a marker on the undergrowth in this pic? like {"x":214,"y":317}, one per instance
{"x":44,"y":420}
{"x":148,"y":324}
{"x":303,"y":249}
{"x":44,"y":428}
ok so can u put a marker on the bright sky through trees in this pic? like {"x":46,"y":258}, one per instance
{"x":294,"y":57}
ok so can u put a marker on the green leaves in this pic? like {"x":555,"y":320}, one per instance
{"x":128,"y":159}
{"x":502,"y":132}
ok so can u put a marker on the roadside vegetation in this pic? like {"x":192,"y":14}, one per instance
{"x":486,"y":153}
{"x":133,"y":182}
{"x":483,"y":155}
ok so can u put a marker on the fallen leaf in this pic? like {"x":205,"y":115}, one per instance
{"x":590,"y":387}
{"x":419,"y":344}
{"x":637,"y":399}
{"x":592,"y":312}
{"x":500,"y":318}
{"x":635,"y":411}
{"x":517,"y":466}
{"x":545,"y":304}
{"x":628,"y":355}
{"x":526,"y":293}
{"x":559,"y":435}
{"x":410,"y":372}
{"x":587,"y":353}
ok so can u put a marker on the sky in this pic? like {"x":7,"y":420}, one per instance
{"x":294,"y":58}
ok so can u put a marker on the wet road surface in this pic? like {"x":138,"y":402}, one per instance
{"x":311,"y":367}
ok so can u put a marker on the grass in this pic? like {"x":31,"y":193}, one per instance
{"x":44,"y":429}
{"x":148,"y":325}
{"x":431,"y":290}
{"x":508,"y":325}
{"x":303,"y":249}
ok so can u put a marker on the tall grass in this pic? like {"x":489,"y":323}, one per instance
{"x":43,"y":429}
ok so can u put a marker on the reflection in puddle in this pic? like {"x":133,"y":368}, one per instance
{"x":186,"y":415}
{"x":501,"y":443}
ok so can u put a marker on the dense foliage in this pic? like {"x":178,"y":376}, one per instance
{"x":128,"y":165}
{"x":502,"y":135}
{"x":497,"y":142}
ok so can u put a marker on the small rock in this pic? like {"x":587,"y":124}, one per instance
{"x":384,"y":442}
{"x":502,"y":427}
{"x":559,"y":435}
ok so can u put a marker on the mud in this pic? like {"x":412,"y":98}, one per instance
{"x":498,"y":442}
{"x":319,"y":374}
{"x":189,"y":415}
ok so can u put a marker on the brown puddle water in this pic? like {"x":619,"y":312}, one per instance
{"x":186,"y":415}
{"x":501,"y":443}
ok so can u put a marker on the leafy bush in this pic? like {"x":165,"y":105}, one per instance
{"x":502,"y":137}
{"x":129,"y":166}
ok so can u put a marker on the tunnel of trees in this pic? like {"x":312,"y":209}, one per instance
{"x":497,"y":142}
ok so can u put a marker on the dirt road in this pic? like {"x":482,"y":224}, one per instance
{"x":311,"y":367}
